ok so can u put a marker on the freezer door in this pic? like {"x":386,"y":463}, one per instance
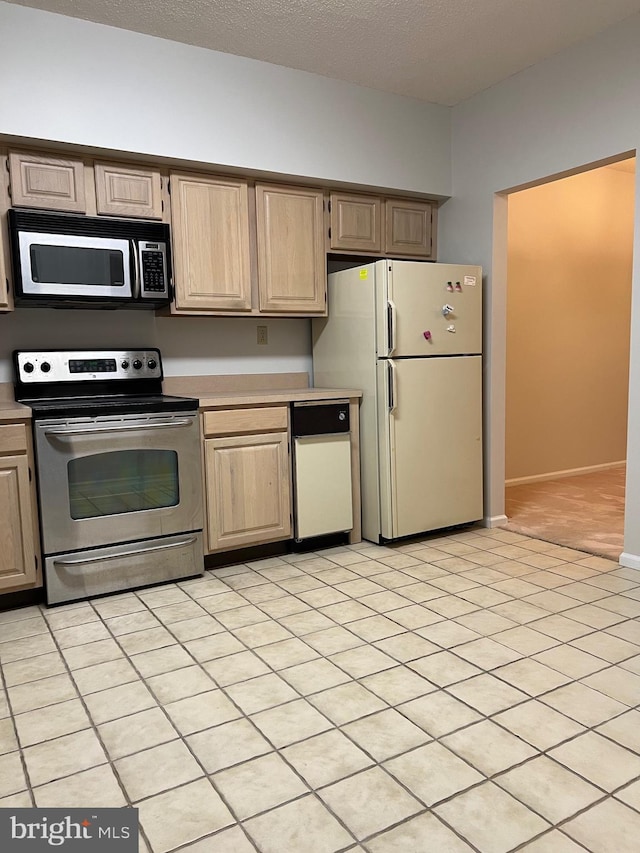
{"x":430,"y":443}
{"x":428,"y":309}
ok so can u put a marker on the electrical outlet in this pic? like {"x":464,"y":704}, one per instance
{"x":262,"y":335}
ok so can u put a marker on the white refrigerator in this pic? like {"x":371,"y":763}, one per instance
{"x":409,"y":335}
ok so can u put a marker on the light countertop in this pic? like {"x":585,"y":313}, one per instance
{"x":217,"y":391}
{"x":253,"y":389}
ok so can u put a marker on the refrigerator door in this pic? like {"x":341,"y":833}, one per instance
{"x":430,"y":449}
{"x":428,"y":309}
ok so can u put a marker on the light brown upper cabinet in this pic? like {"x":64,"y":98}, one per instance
{"x":122,"y":191}
{"x":355,"y":222}
{"x":55,"y":183}
{"x":409,"y":228}
{"x":291,"y":258}
{"x":210,"y":240}
{"x":5,"y":305}
{"x":6,"y":300}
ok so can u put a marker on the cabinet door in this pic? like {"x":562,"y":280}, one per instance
{"x":17,"y":556}
{"x":291,"y":258}
{"x":355,"y":222}
{"x":211,"y":258}
{"x":49,"y":182}
{"x":248,"y":494}
{"x":6,"y":302}
{"x":409,"y":228}
{"x":4,"y":281}
{"x":128,"y":192}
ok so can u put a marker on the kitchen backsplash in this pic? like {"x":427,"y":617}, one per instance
{"x":189,"y":346}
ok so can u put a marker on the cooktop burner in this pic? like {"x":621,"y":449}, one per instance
{"x":90,"y":407}
{"x":93,"y":383}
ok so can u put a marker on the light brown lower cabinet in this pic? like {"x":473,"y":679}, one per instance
{"x":247,"y":481}
{"x":18,"y":548}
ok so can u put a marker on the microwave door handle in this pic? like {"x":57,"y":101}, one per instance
{"x":136,"y":286}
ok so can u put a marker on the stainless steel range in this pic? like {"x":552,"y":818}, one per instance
{"x":118,"y":469}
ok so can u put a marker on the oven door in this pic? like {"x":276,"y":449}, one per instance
{"x":117,"y":479}
{"x":76,"y":266}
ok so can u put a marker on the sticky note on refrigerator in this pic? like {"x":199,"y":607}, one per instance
{"x":470,"y":280}
{"x":364,"y":273}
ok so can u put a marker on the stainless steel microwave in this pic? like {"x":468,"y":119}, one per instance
{"x":72,"y":261}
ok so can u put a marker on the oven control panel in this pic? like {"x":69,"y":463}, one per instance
{"x":38,"y":366}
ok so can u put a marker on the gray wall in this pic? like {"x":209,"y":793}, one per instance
{"x":578,"y":108}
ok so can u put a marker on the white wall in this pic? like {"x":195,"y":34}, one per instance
{"x":75,"y":81}
{"x":67,"y":80}
{"x":189,"y":346}
{"x":577,"y":108}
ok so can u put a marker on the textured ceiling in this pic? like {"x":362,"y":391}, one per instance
{"x":441,"y":51}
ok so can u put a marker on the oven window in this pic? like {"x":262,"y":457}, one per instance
{"x":122,"y":481}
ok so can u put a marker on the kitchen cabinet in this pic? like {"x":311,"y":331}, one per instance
{"x":4,"y":283}
{"x":409,"y":228}
{"x":54,"y":183}
{"x":247,"y":476}
{"x":291,"y":257}
{"x":210,"y":240}
{"x":373,"y":225}
{"x":240,"y":246}
{"x":18,"y":532}
{"x":355,"y":222}
{"x":124,"y":191}
{"x":6,"y":303}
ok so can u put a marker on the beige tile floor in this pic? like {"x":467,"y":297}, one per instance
{"x":477,"y":691}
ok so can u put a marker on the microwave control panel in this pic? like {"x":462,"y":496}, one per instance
{"x":153,"y":270}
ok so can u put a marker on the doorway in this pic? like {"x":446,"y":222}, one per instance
{"x":569,"y":267}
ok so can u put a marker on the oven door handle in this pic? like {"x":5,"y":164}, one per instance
{"x":86,"y":560}
{"x":178,"y":422}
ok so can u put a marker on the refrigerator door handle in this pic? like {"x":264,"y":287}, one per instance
{"x":391,"y":382}
{"x":391,"y":337}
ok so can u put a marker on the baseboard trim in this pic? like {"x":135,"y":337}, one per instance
{"x":495,"y":521}
{"x":629,"y":561}
{"x":569,"y":472}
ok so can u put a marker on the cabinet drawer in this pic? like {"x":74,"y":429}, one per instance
{"x":56,"y":183}
{"x":13,"y":438}
{"x":128,"y":192}
{"x":237,"y":421}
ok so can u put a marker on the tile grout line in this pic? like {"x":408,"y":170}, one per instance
{"x":363,"y":643}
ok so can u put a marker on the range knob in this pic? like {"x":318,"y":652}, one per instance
{"x":137,"y":364}
{"x":45,"y":367}
{"x":152,"y":364}
{"x":124,"y":364}
{"x":28,"y":367}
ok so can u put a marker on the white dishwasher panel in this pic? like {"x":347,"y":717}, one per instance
{"x":322,"y":474}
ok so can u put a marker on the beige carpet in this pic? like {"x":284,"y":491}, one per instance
{"x":584,"y":512}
